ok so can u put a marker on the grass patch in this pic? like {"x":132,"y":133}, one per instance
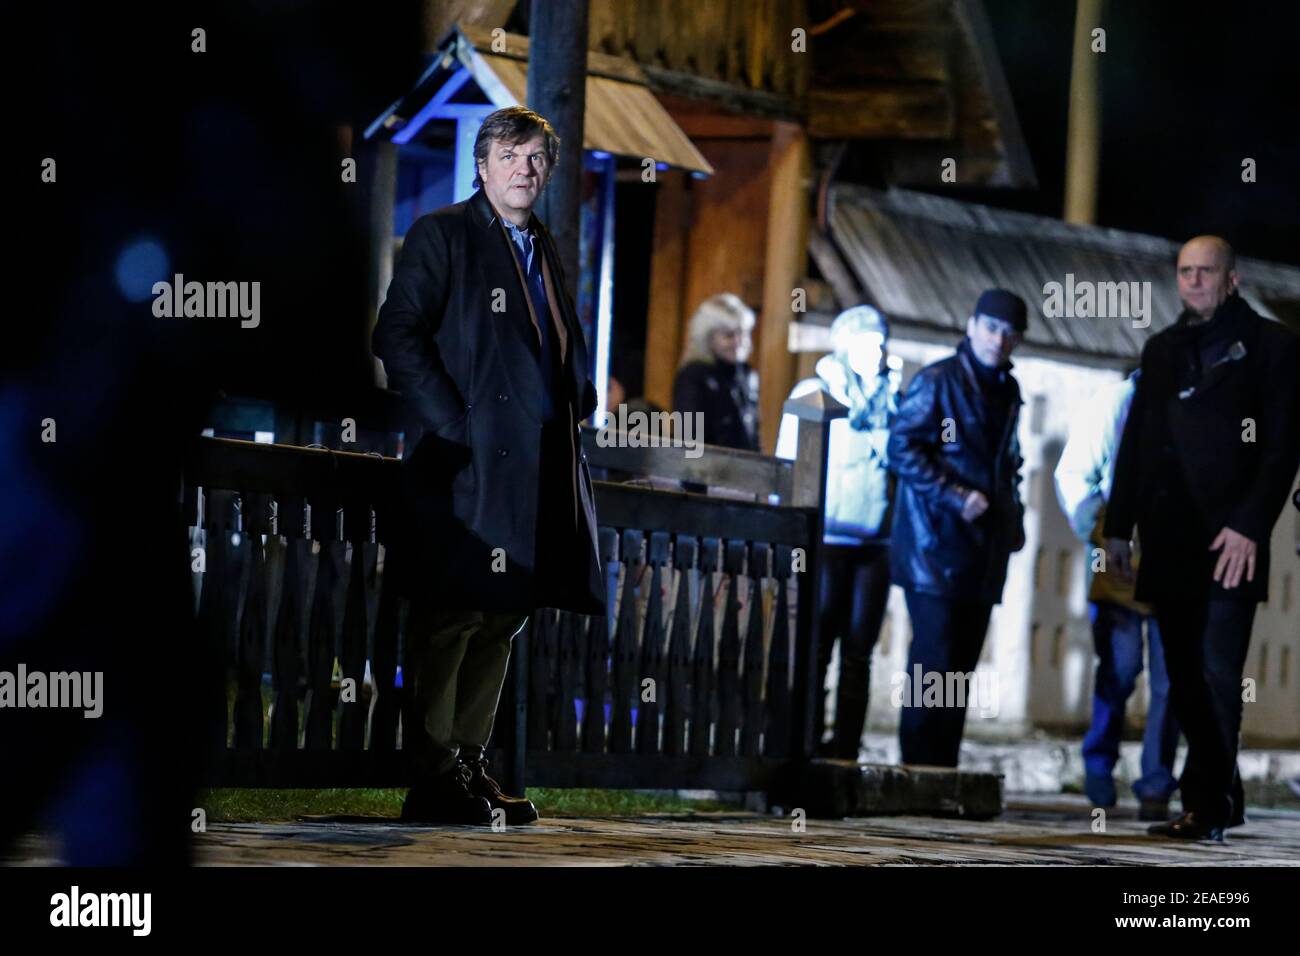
{"x":238,"y":805}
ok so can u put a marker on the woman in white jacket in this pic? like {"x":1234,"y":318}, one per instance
{"x":854,"y":585}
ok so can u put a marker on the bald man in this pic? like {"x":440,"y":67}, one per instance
{"x":1209,"y":452}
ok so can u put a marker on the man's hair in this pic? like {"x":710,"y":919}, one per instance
{"x":512,"y":125}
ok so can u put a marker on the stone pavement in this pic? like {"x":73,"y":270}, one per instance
{"x":1053,"y":830}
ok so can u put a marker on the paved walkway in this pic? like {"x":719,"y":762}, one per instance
{"x":1034,"y":830}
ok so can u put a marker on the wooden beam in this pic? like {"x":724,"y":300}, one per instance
{"x":517,"y":47}
{"x":557,"y":88}
{"x":982,"y":50}
{"x":664,"y":310}
{"x":1083,"y":141}
{"x":827,"y":257}
{"x":787,"y":237}
{"x":729,"y":96}
{"x":913,"y":54}
{"x":706,"y":120}
{"x":882,"y":111}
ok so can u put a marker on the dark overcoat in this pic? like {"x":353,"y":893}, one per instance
{"x":1212,"y":440}
{"x":458,"y":340}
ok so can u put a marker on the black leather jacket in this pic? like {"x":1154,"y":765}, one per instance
{"x":940,"y":449}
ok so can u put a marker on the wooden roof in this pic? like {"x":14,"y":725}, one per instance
{"x":622,"y":116}
{"x":923,"y":260}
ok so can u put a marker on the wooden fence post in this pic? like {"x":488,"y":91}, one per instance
{"x":815,"y":412}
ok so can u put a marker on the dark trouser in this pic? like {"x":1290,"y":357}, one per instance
{"x":457,"y":661}
{"x":1117,"y":636}
{"x":1205,"y":651}
{"x":947,"y":637}
{"x":851,"y":607}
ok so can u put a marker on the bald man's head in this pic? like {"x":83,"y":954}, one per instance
{"x":1207,"y":274}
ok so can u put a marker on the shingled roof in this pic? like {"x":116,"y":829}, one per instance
{"x":923,"y":260}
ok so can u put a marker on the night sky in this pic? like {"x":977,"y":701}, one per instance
{"x":1188,"y":91}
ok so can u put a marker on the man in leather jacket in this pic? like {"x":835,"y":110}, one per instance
{"x":958,"y":514}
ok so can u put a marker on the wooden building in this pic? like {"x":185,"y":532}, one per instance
{"x":770,"y":97}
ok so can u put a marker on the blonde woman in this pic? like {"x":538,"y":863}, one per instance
{"x":714,"y":378}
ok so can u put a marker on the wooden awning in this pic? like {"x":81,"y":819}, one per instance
{"x":623,"y":117}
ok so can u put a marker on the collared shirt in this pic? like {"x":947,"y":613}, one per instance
{"x":531,"y":258}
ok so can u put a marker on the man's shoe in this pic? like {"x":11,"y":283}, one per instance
{"x":1186,"y":828}
{"x":446,"y":800}
{"x":1100,"y":789}
{"x":1153,"y":810}
{"x":518,"y":809}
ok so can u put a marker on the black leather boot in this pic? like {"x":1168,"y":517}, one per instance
{"x":446,"y":800}
{"x":518,"y":809}
{"x":1187,"y":828}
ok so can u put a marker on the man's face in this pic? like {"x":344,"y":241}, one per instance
{"x":514,"y":175}
{"x":1204,"y":280}
{"x":992,"y":340}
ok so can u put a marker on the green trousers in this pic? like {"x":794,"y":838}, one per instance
{"x":455,"y":666}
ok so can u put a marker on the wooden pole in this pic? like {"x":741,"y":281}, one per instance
{"x":1083,"y":146}
{"x":557,"y":88}
{"x":784,"y":268}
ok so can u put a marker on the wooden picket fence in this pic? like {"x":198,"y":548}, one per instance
{"x":701,"y":676}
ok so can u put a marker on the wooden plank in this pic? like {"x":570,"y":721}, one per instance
{"x":751,"y":724}
{"x":288,"y":640}
{"x":568,"y":671}
{"x":731,"y":97}
{"x":776,"y":733}
{"x":860,"y":52}
{"x":832,"y":266}
{"x":728,"y":723}
{"x":677,"y":705}
{"x":702,"y":673}
{"x":785,"y":260}
{"x":711,"y":124}
{"x":597,"y":653}
{"x":882,"y":111}
{"x":253,"y":629}
{"x":386,"y":710}
{"x":541,"y":665}
{"x":664,"y":310}
{"x":287,"y":470}
{"x":733,"y":468}
{"x":627,"y":506}
{"x":652,"y":649}
{"x":322,"y":634}
{"x":352,"y":655}
{"x":623,"y":665}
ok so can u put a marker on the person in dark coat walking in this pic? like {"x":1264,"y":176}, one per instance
{"x":714,"y":379}
{"x":957,"y":513}
{"x":1209,"y":452}
{"x":497,"y":517}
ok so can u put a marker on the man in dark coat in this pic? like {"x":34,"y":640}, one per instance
{"x":1209,"y":452}
{"x":498,"y":519}
{"x":957,"y":514}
